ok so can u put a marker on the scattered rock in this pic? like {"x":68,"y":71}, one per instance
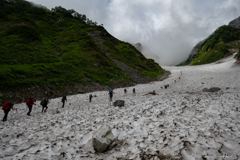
{"x":57,"y":111}
{"x":153,"y":93}
{"x":205,"y":90}
{"x":213,"y":89}
{"x":102,"y":138}
{"x":81,"y":92}
{"x":227,"y":87}
{"x":119,"y":103}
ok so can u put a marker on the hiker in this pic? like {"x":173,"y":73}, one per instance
{"x":30,"y":103}
{"x":133,"y":90}
{"x":90,"y":97}
{"x":125,"y":90}
{"x":165,"y":86}
{"x":110,"y":94}
{"x":64,"y":100}
{"x":44,"y":103}
{"x":6,"y":108}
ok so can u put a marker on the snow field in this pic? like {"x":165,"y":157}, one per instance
{"x":181,"y":121}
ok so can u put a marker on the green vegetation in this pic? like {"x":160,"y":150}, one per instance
{"x":217,"y":45}
{"x":237,"y":55}
{"x":43,"y":47}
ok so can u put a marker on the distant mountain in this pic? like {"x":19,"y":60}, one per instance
{"x":222,"y":42}
{"x":50,"y":53}
{"x":146,"y":52}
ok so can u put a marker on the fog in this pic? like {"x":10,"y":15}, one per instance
{"x":170,"y":28}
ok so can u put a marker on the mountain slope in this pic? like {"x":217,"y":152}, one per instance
{"x":55,"y":51}
{"x":224,"y":42}
{"x":221,"y":43}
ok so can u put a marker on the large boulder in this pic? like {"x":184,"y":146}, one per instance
{"x":119,"y":103}
{"x":102,"y":138}
{"x":213,"y":89}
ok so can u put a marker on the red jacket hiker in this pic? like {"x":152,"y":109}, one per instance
{"x":7,"y":105}
{"x":6,"y":108}
{"x":29,"y":103}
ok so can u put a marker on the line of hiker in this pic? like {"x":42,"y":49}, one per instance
{"x":8,"y":106}
{"x":166,"y":86}
{"x":125,"y":91}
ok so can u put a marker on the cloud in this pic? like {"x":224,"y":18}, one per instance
{"x":169,"y":28}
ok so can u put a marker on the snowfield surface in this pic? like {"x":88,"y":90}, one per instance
{"x":181,"y":121}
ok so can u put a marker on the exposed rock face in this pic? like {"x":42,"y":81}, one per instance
{"x":136,"y":76}
{"x":102,"y":138}
{"x":146,"y":52}
{"x":119,"y":103}
{"x":235,"y":23}
{"x":138,"y":46}
{"x":194,"y":52}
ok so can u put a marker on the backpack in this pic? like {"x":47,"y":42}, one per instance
{"x":90,"y":95}
{"x":64,"y":98}
{"x":110,"y":90}
{"x":6,"y":105}
{"x":28,"y":102}
{"x":42,"y":102}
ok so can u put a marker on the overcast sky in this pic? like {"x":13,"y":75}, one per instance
{"x":170,"y":28}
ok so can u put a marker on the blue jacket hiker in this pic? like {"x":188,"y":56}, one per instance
{"x":111,"y":94}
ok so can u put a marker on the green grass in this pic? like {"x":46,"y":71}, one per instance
{"x":43,"y":47}
{"x":217,"y":46}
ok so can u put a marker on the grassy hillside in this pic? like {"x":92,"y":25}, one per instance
{"x":45,"y":47}
{"x":218,"y":45}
